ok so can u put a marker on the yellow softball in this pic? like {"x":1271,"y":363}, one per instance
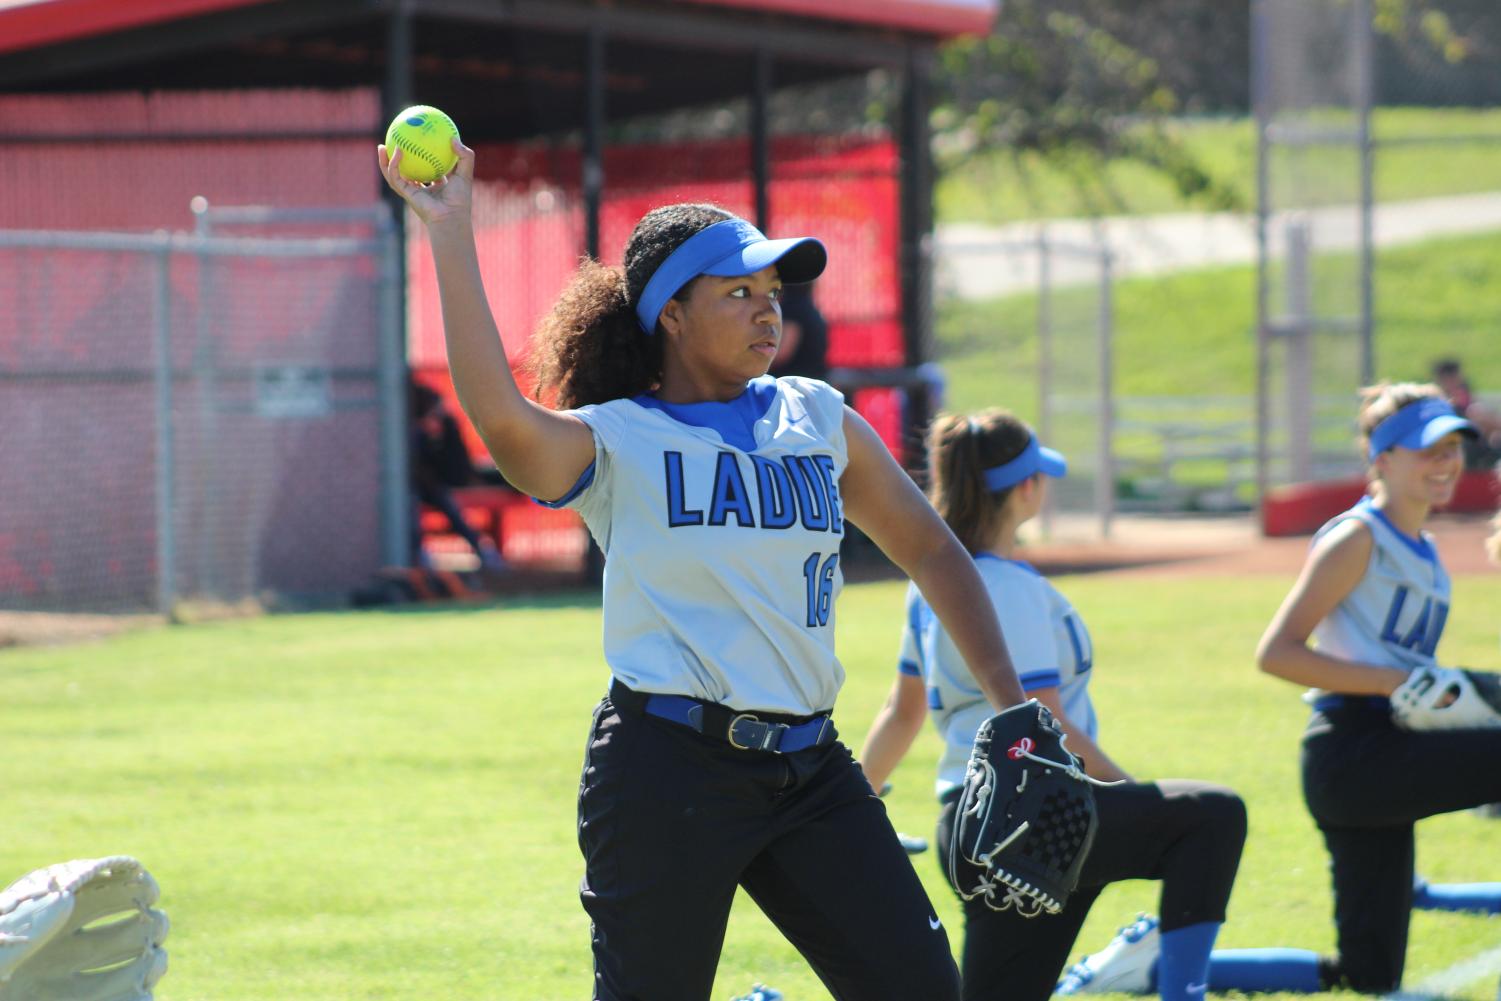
{"x":423,"y":135}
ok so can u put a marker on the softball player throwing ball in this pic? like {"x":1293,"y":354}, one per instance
{"x":719,"y":496}
{"x":1372,"y":599}
{"x":989,"y":476}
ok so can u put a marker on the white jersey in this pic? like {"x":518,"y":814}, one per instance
{"x":1395,"y":616}
{"x":1049,"y":647}
{"x":721,"y":524}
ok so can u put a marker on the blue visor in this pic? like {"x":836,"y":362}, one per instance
{"x":1033,"y":460}
{"x":1418,"y":425}
{"x":726,"y":249}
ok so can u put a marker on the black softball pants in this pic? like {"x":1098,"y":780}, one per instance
{"x":1366,"y":784}
{"x":1187,"y":833}
{"x":670,"y":822}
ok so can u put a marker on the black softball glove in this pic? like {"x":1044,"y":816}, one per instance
{"x":1026,"y":818}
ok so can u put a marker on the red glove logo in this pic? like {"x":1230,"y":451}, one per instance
{"x":1021,"y":747}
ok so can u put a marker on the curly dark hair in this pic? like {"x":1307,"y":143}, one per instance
{"x":590,"y":348}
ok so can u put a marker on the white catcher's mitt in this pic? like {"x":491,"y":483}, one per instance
{"x":84,"y":930}
{"x":1448,"y":698}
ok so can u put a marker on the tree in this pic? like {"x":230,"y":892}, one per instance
{"x":1080,"y":82}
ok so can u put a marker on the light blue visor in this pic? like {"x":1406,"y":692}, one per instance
{"x":1033,"y":460}
{"x":1418,"y":425}
{"x":727,"y":249}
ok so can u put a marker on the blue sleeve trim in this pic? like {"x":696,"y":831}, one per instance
{"x":1040,"y":679}
{"x":914,"y":611}
{"x":1082,"y":664}
{"x":908,"y":667}
{"x":585,"y":478}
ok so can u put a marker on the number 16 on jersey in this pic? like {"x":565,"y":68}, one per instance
{"x":818,"y":576}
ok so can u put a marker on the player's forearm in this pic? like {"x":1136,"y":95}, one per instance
{"x":887,"y":744}
{"x":1303,"y":665}
{"x":476,"y":356}
{"x":952,"y":587}
{"x":1097,"y":763}
{"x":890,"y":738}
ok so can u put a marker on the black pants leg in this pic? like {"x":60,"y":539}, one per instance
{"x":670,"y":822}
{"x":444,"y":501}
{"x":1186,"y":833}
{"x":1366,"y":784}
{"x":840,"y":887}
{"x":1010,"y":957}
{"x":1371,"y":871}
{"x":657,"y":887}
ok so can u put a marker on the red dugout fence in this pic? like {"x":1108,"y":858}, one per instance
{"x":133,"y":163}
{"x":530,"y":230}
{"x":529,"y":225}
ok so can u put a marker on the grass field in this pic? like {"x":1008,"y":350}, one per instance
{"x":1000,"y":188}
{"x":1190,"y":334}
{"x":380,"y":804}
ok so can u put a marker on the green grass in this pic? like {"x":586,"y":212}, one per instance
{"x":1191,"y":333}
{"x":380,"y":804}
{"x":1001,"y":188}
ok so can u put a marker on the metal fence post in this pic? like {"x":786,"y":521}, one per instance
{"x":391,"y":365}
{"x":1365,"y":87}
{"x":1299,"y":348}
{"x":166,"y":467}
{"x":1045,"y":359}
{"x":1104,"y":488}
{"x":205,"y":455}
{"x":1261,"y":106}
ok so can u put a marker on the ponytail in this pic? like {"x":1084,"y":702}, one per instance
{"x":960,"y":450}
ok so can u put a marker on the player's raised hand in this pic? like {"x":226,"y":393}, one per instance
{"x":439,"y":202}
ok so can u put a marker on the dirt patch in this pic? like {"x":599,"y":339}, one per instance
{"x":1209,"y":547}
{"x":56,"y":628}
{"x":1230,"y":547}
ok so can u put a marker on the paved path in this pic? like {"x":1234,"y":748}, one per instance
{"x":969,"y":265}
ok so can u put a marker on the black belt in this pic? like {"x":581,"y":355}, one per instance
{"x":1375,"y":703}
{"x":773,"y":732}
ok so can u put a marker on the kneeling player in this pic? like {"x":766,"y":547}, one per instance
{"x":989,"y":476}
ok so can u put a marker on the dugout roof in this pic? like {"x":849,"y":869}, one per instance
{"x":507,"y":69}
{"x":510,"y":71}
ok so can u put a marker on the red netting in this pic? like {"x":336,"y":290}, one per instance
{"x":529,"y":224}
{"x":143,"y":178}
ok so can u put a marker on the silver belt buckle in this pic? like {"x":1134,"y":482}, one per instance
{"x":731,"y":732}
{"x":771,"y":736}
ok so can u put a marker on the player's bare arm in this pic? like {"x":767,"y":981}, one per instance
{"x":539,"y":451}
{"x":1097,"y":764}
{"x":1334,"y":568}
{"x":895,"y":728}
{"x":883,"y":501}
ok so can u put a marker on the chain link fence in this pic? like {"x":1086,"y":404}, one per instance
{"x":201,"y":419}
{"x":1053,"y":358}
{"x":1312,"y":96}
{"x":1379,"y":204}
